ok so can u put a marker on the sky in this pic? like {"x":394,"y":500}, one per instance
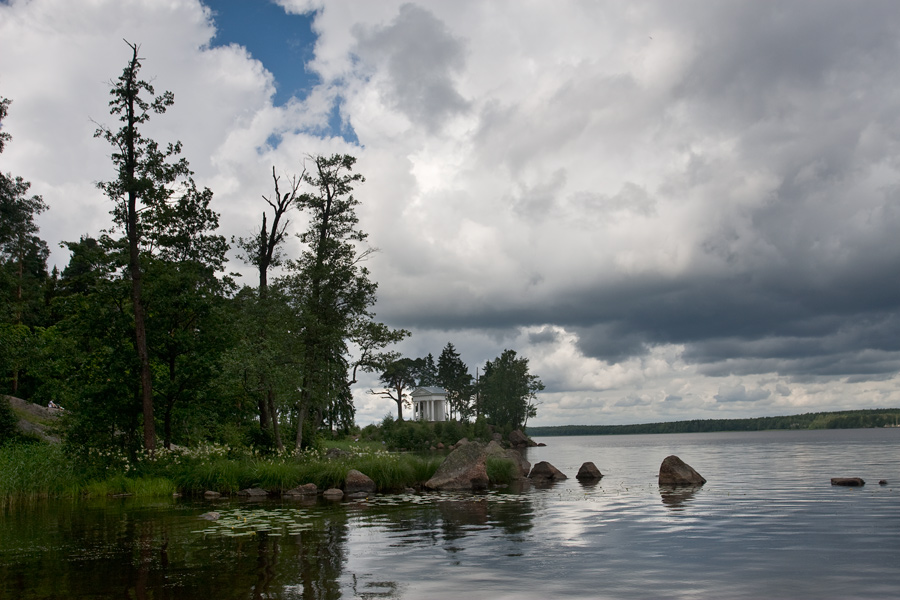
{"x":674,"y":210}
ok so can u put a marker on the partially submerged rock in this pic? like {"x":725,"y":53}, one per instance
{"x":847,"y":481}
{"x":358,"y":482}
{"x":253,"y":493}
{"x":333,"y":494}
{"x":307,"y":489}
{"x":210,"y":516}
{"x":211,"y":495}
{"x":674,"y":471}
{"x":588,"y":472}
{"x":546,"y":472}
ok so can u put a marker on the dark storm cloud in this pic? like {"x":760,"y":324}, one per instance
{"x":421,"y":57}
{"x":545,"y":336}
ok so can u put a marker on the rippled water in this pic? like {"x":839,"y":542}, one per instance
{"x":768,"y":524}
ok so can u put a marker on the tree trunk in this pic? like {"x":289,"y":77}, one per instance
{"x":276,"y":430}
{"x":301,"y":417}
{"x":134,"y":265}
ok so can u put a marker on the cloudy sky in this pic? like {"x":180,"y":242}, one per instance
{"x":675,"y":210}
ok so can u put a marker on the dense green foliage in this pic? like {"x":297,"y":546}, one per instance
{"x":507,"y":391}
{"x":421,"y":436}
{"x":848,"y":419}
{"x":7,"y":422}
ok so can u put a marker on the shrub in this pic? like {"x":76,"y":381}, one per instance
{"x":500,"y":470}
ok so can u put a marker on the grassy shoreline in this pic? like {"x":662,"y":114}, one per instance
{"x":37,"y":470}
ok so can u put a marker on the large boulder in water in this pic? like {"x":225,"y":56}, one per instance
{"x":544,"y":471}
{"x":463,"y":469}
{"x":674,"y":471}
{"x":358,"y":482}
{"x":589,"y":472}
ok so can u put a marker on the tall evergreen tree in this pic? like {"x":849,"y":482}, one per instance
{"x":428,"y":372}
{"x":23,"y":271}
{"x":453,"y":376}
{"x":147,"y":179}
{"x":330,"y":289}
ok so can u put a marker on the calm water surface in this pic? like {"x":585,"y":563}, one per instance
{"x":768,"y":524}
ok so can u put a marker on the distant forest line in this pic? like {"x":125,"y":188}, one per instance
{"x":846,"y":419}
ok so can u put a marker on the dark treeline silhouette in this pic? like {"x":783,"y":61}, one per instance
{"x":847,"y":419}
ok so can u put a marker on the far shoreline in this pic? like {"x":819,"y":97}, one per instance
{"x":847,"y":419}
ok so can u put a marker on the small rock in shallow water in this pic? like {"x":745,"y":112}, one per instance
{"x":210,"y":516}
{"x":333,"y":494}
{"x":882,"y":482}
{"x":847,"y":481}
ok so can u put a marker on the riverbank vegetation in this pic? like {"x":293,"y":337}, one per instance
{"x":38,"y":470}
{"x":847,"y":419}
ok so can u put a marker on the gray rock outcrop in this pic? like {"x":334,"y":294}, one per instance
{"x":463,"y":469}
{"x":496,"y":450}
{"x":36,"y":420}
{"x":333,"y":494}
{"x":588,"y":472}
{"x":519,"y":440}
{"x":674,"y":471}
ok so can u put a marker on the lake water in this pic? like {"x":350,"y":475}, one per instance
{"x":768,"y":524}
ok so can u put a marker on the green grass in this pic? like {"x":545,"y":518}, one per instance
{"x":44,"y":470}
{"x":29,"y":471}
{"x":501,"y":470}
